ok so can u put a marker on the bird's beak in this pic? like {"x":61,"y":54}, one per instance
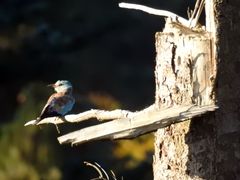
{"x":51,"y":85}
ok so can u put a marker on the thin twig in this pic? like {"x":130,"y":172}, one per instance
{"x":96,"y":167}
{"x":195,"y":10}
{"x":196,"y":13}
{"x":199,"y":12}
{"x":189,"y":13}
{"x":113,"y":175}
{"x":157,"y":12}
{"x":105,"y":173}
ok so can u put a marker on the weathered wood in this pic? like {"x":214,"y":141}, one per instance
{"x":142,"y":122}
{"x":209,"y":147}
{"x":185,"y":74}
{"x":184,"y":69}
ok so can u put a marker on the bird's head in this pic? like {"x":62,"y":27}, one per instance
{"x":62,"y":86}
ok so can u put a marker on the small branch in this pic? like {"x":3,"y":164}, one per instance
{"x":103,"y":175}
{"x":196,"y":13}
{"x":93,"y":113}
{"x":141,"y":122}
{"x":99,"y":169}
{"x":196,"y":7}
{"x":157,"y":12}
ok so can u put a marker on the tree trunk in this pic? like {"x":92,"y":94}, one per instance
{"x":227,"y":120}
{"x":206,"y":147}
{"x":184,"y":68}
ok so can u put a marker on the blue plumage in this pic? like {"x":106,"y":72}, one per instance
{"x":60,"y":103}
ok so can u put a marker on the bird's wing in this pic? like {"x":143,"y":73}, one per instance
{"x":48,"y":108}
{"x":57,"y":105}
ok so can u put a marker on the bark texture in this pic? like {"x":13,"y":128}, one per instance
{"x":207,"y":147}
{"x":227,"y":121}
{"x":185,"y":74}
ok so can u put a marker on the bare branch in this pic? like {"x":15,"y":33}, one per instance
{"x":103,"y":175}
{"x":103,"y":170}
{"x":141,"y":122}
{"x":157,"y":12}
{"x":196,"y":7}
{"x":93,"y":113}
{"x":196,"y":13}
{"x":113,"y":175}
{"x":99,"y":169}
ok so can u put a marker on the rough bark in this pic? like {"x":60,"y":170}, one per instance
{"x":227,"y":122}
{"x":185,"y":74}
{"x":207,"y":147}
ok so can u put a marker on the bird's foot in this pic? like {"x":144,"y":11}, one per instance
{"x":59,"y":117}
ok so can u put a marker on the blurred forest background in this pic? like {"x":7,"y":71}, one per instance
{"x":106,"y":52}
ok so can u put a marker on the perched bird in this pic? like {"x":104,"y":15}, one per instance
{"x":60,"y":102}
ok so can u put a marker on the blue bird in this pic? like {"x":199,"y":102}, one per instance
{"x":59,"y":103}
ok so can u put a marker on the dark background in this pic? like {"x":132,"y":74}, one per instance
{"x":106,"y":52}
